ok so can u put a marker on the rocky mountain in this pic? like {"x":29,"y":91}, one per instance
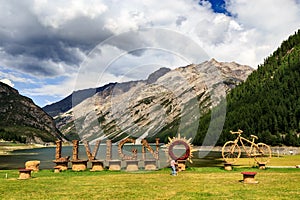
{"x":22,"y":120}
{"x":80,"y":95}
{"x":166,"y":103}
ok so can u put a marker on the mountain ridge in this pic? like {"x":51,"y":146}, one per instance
{"x":145,"y":108}
{"x":78,"y":96}
{"x":22,"y":120}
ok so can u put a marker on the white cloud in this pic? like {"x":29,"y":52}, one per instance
{"x":15,"y":76}
{"x":265,"y":24}
{"x":110,"y":64}
{"x":46,"y":38}
{"x":7,"y":82}
{"x":59,"y":90}
{"x":56,"y":13}
{"x":268,"y":15}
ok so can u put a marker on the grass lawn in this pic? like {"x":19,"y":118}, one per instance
{"x":194,"y":183}
{"x":290,"y":160}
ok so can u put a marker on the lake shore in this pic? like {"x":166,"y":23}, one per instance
{"x":7,"y":147}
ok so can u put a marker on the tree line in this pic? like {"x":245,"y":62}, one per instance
{"x":11,"y":136}
{"x":267,"y":104}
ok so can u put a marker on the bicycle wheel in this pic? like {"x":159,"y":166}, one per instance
{"x":262,"y":153}
{"x":231,"y":152}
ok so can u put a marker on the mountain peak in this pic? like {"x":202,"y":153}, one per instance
{"x":4,"y":88}
{"x":213,"y":61}
{"x":157,"y":74}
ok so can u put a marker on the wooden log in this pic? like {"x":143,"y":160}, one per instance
{"x":58,"y":150}
{"x":75,"y":150}
{"x":108,"y":150}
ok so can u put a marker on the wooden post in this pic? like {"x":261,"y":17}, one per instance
{"x":108,"y":150}
{"x":61,"y":163}
{"x":58,"y":150}
{"x":157,"y":148}
{"x":75,"y":150}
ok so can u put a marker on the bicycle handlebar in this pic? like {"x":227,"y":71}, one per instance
{"x":237,"y":132}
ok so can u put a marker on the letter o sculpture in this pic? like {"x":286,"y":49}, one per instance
{"x":187,"y":150}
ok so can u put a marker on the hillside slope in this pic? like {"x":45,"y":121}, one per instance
{"x":22,"y":120}
{"x":268,"y":103}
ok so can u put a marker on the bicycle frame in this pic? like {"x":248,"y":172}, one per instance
{"x":231,"y":150}
{"x":241,"y":139}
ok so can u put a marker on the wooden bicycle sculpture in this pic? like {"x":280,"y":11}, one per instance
{"x":231,"y":150}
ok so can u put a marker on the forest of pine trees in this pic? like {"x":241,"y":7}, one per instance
{"x":267,"y":104}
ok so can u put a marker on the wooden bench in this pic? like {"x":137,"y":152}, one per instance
{"x":24,"y":173}
{"x":248,"y":177}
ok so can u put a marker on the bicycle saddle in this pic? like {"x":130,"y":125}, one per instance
{"x":254,"y":136}
{"x":237,"y":132}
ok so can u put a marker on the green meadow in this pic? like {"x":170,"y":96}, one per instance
{"x":194,"y":183}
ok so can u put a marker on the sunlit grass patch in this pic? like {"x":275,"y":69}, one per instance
{"x":194,"y":183}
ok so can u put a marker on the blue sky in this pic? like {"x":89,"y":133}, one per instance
{"x":218,"y":6}
{"x":50,"y":48}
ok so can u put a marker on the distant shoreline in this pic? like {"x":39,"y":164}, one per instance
{"x":7,"y":147}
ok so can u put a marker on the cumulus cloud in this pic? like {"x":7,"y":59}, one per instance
{"x":48,"y":39}
{"x":7,"y":82}
{"x":265,"y":24}
{"x":57,"y":13}
{"x":266,"y":15}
